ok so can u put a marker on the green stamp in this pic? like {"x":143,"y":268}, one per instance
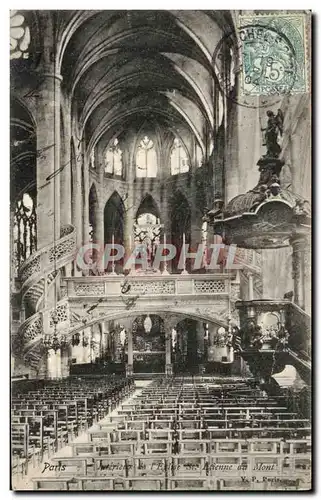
{"x":273,"y":54}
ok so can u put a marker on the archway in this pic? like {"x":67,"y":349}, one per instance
{"x":148,"y":344}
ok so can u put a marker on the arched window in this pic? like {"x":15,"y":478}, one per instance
{"x":19,"y":36}
{"x":199,"y":156}
{"x":179,"y":158}
{"x":146,"y":158}
{"x":24,"y":229}
{"x":113,"y":160}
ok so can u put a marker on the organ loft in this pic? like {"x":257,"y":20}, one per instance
{"x":160,"y":258}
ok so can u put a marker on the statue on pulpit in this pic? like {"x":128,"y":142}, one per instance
{"x":272,"y":131}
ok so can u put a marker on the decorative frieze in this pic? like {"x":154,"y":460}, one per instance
{"x":209,"y":286}
{"x":159,"y":287}
{"x":91,"y":289}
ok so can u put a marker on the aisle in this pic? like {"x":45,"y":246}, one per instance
{"x":43,"y":469}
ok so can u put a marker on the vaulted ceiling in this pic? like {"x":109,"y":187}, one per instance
{"x":123,"y":66}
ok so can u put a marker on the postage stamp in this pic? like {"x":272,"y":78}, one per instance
{"x":273,"y":49}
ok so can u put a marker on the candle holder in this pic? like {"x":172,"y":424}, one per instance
{"x":113,"y":272}
{"x":184,"y":259}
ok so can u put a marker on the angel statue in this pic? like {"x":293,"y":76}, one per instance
{"x":271,"y":133}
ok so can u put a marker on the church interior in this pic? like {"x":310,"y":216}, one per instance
{"x":126,"y":132}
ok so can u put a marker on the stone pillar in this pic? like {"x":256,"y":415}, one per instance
{"x":48,"y":158}
{"x":65,"y":356}
{"x":168,"y":353}
{"x":76,"y":160}
{"x":87,"y":348}
{"x":65,"y":174}
{"x":301,"y":263}
{"x":104,"y":339}
{"x":130,"y":361}
{"x":167,"y":227}
{"x":129,"y":214}
{"x":85,"y":199}
{"x":169,"y":324}
{"x":53,"y":364}
{"x":200,"y":345}
{"x":95,"y":338}
{"x":99,"y":234}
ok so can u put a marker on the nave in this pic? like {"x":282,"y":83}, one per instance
{"x":180,"y":433}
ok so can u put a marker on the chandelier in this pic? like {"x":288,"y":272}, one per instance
{"x":54,"y":342}
{"x":75,"y":340}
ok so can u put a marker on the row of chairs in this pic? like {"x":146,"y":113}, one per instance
{"x":46,"y":419}
{"x":189,"y":434}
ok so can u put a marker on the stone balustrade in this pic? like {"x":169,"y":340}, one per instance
{"x":139,"y":285}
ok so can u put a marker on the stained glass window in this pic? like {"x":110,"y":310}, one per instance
{"x":113,"y":160}
{"x":179,"y":158}
{"x":146,"y":158}
{"x":19,"y":36}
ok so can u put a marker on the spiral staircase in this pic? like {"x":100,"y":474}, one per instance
{"x":40,"y":288}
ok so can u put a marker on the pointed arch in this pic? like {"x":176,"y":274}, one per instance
{"x":113,"y":159}
{"x":146,"y":158}
{"x":179,"y":159}
{"x":148,"y":205}
{"x":114,"y":213}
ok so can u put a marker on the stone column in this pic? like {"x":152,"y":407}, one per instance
{"x":65,"y":356}
{"x":200,"y":345}
{"x":65,"y":177}
{"x":129,"y":214}
{"x":103,"y":342}
{"x":85,"y":198}
{"x":48,"y":158}
{"x":168,"y":358}
{"x":65,"y":174}
{"x":130,"y":360}
{"x":167,"y":227}
{"x":169,"y":324}
{"x":99,"y":234}
{"x":211,"y":351}
{"x":76,"y":160}
{"x":301,"y":263}
{"x":53,"y":364}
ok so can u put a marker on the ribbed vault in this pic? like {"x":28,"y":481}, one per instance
{"x":120,"y":67}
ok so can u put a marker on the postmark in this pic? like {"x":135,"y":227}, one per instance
{"x":273,"y":54}
{"x":263,"y":60}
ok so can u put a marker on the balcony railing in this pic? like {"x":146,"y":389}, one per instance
{"x":132,"y":285}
